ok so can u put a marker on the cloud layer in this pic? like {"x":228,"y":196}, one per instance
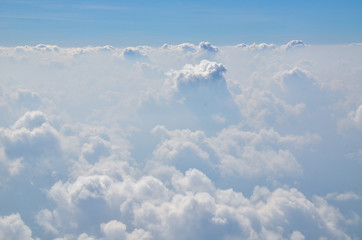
{"x":188,"y":141}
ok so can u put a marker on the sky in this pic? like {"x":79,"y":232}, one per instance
{"x":180,"y":120}
{"x":125,"y":23}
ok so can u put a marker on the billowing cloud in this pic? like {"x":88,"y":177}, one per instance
{"x":293,"y":44}
{"x":133,"y":53}
{"x":12,"y":227}
{"x":188,"y":141}
{"x":206,"y":46}
{"x":31,"y":136}
{"x":254,"y":46}
{"x":193,"y":206}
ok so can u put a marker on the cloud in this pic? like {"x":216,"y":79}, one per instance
{"x":188,"y":141}
{"x":353,"y":120}
{"x":205,"y":73}
{"x":185,"y":47}
{"x":197,"y":209}
{"x":261,"y":107}
{"x":265,"y":46}
{"x":12,"y":227}
{"x":299,"y":86}
{"x":233,"y":150}
{"x":203,"y":47}
{"x":206,"y":46}
{"x":116,"y":230}
{"x":347,"y":196}
{"x":293,"y":44}
{"x":254,"y":46}
{"x":30,"y":137}
{"x":133,"y":53}
{"x":180,"y":140}
{"x":250,"y":154}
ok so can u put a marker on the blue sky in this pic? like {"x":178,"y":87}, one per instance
{"x":124,"y":23}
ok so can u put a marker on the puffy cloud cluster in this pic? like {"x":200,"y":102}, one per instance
{"x":206,"y":47}
{"x":30,"y":139}
{"x":12,"y":227}
{"x":206,"y":73}
{"x":133,"y":53}
{"x":188,"y":141}
{"x":293,"y":44}
{"x":234,"y":151}
{"x":254,"y":46}
{"x":265,"y":46}
{"x":190,"y":208}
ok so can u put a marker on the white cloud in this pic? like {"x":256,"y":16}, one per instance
{"x":185,"y":47}
{"x":353,"y":120}
{"x":293,"y":44}
{"x":32,"y":141}
{"x":347,"y":196}
{"x":45,"y":218}
{"x":177,"y":141}
{"x":169,"y":143}
{"x":296,"y":235}
{"x":239,"y":152}
{"x":133,"y":53}
{"x":254,"y":46}
{"x":206,"y":46}
{"x":30,"y":136}
{"x":115,"y":230}
{"x":261,"y":107}
{"x":12,"y":227}
{"x":205,"y":73}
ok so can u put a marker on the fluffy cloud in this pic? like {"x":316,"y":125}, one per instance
{"x":194,"y":207}
{"x":116,"y":230}
{"x":233,"y":151}
{"x":186,"y":47}
{"x":254,"y":46}
{"x":261,"y":107}
{"x":12,"y":227}
{"x":293,"y":44}
{"x":30,"y":139}
{"x":249,"y":153}
{"x":206,"y":46}
{"x":203,"y":47}
{"x":188,"y":141}
{"x":31,"y":136}
{"x":133,"y":53}
{"x":203,"y":74}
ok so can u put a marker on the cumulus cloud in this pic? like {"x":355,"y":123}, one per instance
{"x":261,"y":107}
{"x":194,"y":207}
{"x":233,"y":151}
{"x":12,"y":227}
{"x":185,"y":47}
{"x":188,"y":141}
{"x":133,"y":53}
{"x":31,"y":136}
{"x":206,"y":46}
{"x":293,"y":44}
{"x":116,"y":230}
{"x":254,"y":46}
{"x":205,"y":73}
{"x":250,"y":154}
{"x":203,"y":47}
